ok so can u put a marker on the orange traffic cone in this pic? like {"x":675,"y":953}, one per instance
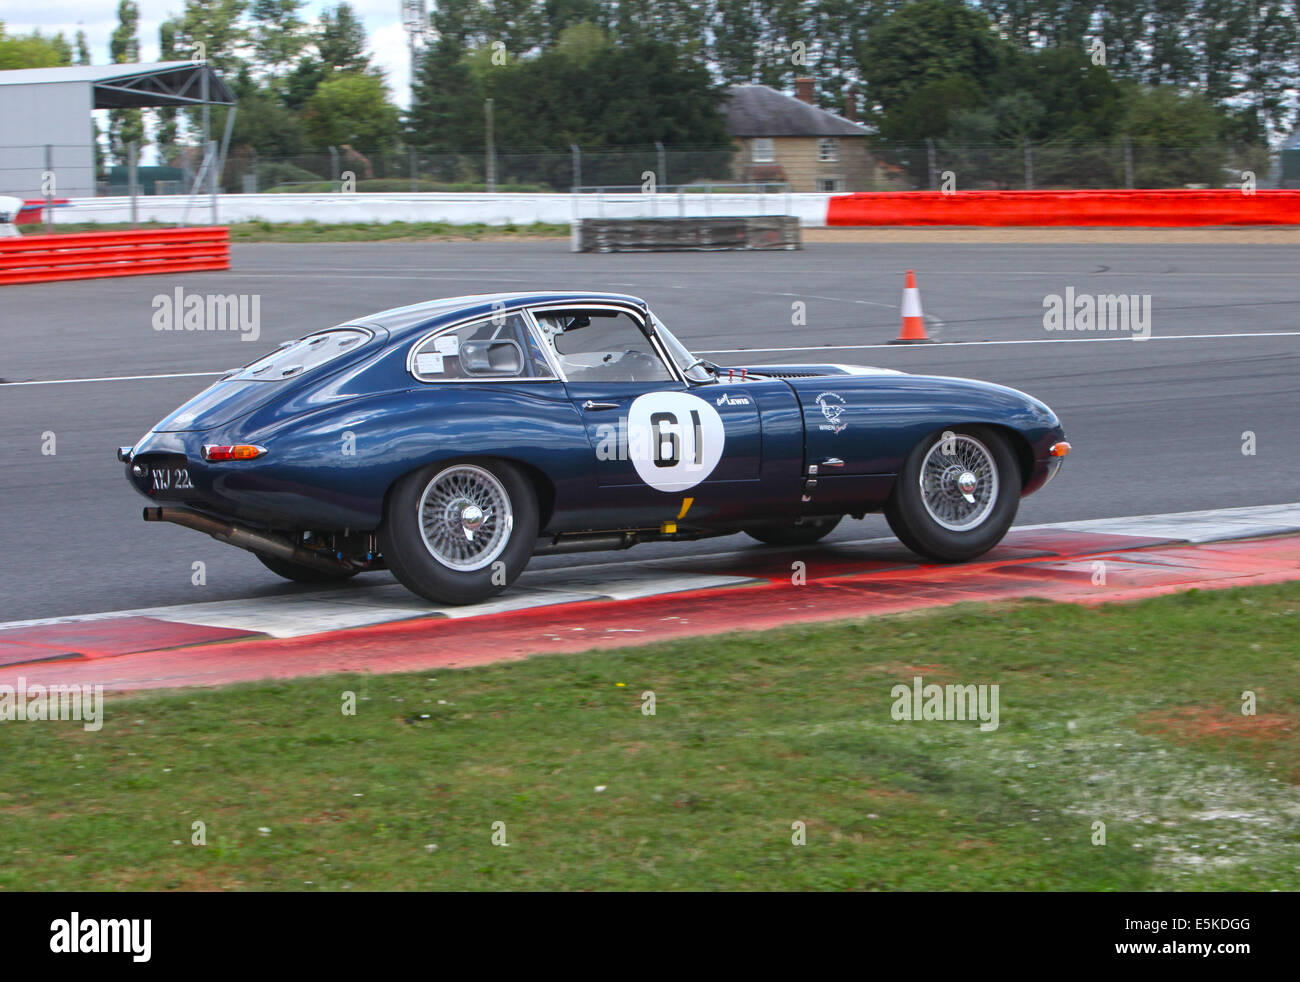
{"x":913,"y":330}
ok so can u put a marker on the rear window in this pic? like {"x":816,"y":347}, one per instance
{"x":293,"y":358}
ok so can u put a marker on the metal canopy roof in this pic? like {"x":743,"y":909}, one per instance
{"x":161,"y":83}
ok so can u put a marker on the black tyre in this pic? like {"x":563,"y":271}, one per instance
{"x":460,"y":532}
{"x":803,"y":534}
{"x":303,"y":574}
{"x":956,"y":495}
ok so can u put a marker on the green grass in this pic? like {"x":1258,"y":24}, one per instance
{"x":343,"y":232}
{"x":1127,"y":714}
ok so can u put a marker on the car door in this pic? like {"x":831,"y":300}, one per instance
{"x":658,"y":445}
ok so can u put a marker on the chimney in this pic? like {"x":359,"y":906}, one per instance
{"x":803,"y":90}
{"x":851,"y":103}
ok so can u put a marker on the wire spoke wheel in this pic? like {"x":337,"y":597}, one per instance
{"x":465,"y":517}
{"x":959,"y":482}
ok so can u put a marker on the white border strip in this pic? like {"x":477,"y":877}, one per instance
{"x":303,"y":614}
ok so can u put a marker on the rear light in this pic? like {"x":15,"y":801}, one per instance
{"x":239,"y":451}
{"x":1059,"y":449}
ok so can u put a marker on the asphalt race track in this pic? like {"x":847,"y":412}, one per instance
{"x":1156,"y":425}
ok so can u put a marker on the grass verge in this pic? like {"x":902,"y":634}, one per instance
{"x":1125,"y":714}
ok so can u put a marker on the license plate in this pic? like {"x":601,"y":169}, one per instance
{"x":164,"y":479}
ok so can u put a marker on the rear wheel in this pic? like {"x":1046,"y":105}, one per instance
{"x":304,"y":574}
{"x":957,"y":494}
{"x":794,"y":534}
{"x":459,"y":533}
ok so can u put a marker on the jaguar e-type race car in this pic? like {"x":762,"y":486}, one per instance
{"x":452,"y":440}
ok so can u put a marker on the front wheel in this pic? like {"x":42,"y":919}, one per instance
{"x":458,"y":533}
{"x":956,"y":495}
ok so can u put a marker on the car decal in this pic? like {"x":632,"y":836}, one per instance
{"x":726,"y":399}
{"x":832,"y":404}
{"x":428,"y":363}
{"x":675,"y":439}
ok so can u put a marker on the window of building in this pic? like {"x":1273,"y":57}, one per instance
{"x":830,"y":185}
{"x":828,"y":148}
{"x":764,"y":151}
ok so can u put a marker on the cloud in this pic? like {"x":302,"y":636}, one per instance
{"x":388,"y":50}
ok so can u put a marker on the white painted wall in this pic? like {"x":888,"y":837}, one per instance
{"x":31,"y":116}
{"x":458,"y":209}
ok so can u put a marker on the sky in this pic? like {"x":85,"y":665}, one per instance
{"x":98,"y":18}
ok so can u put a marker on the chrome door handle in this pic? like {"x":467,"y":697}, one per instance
{"x":832,"y":462}
{"x":592,"y":406}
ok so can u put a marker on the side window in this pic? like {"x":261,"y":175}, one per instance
{"x":602,"y":346}
{"x":497,"y":347}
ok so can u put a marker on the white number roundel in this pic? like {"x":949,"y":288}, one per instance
{"x":674,"y":439}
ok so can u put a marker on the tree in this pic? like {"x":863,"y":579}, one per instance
{"x":446,"y":104}
{"x":583,"y":41}
{"x":1175,"y":137}
{"x":928,"y":41}
{"x":165,"y":130}
{"x":563,"y":14}
{"x":264,"y":123}
{"x":340,"y":46}
{"x":737,"y":31}
{"x":278,"y":35}
{"x":352,"y":109}
{"x":341,"y":40}
{"x":125,"y":126}
{"x":32,"y":50}
{"x":214,"y":27}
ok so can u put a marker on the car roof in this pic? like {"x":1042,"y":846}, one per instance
{"x":400,"y":321}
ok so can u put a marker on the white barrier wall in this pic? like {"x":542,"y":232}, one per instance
{"x":458,"y":209}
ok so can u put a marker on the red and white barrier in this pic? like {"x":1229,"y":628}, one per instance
{"x":89,"y":255}
{"x":1166,"y":209}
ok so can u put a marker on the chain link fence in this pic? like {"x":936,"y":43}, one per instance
{"x":79,"y":171}
{"x":937,"y":166}
{"x":473,"y":170}
{"x":931,"y":166}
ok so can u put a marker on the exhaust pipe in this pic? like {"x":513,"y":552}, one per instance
{"x":550,"y":546}
{"x":243,"y":538}
{"x":601,"y":541}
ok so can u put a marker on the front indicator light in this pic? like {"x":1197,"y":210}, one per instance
{"x":239,"y":451}
{"x":1059,"y":449}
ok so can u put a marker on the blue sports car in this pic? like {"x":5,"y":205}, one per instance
{"x":452,"y":440}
